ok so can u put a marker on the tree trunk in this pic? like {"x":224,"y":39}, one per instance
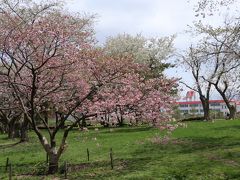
{"x":24,"y":135}
{"x":84,"y":123}
{"x":120,"y":119}
{"x":1,"y":128}
{"x":120,"y":123}
{"x":119,"y":114}
{"x":13,"y":129}
{"x":206,"y":111}
{"x":51,"y":150}
{"x":3,"y":125}
{"x":24,"y":130}
{"x":10,"y":131}
{"x":53,"y":163}
{"x":106,"y":120}
{"x":207,"y":115}
{"x":53,"y":157}
{"x":232,"y":110}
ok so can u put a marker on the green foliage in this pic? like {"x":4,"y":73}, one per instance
{"x":203,"y":150}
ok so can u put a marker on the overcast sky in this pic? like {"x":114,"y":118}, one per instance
{"x":151,"y":18}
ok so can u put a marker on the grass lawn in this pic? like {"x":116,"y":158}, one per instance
{"x":203,"y":150}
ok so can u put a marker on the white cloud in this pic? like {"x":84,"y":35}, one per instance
{"x":151,"y":18}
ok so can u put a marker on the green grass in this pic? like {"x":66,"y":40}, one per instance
{"x":203,"y":150}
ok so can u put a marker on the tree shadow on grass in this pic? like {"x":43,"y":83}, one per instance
{"x":129,"y":129}
{"x":236,"y":127}
{"x":4,"y":138}
{"x":194,"y":144}
{"x":102,"y":169}
{"x":188,"y":157}
{"x":9,"y":145}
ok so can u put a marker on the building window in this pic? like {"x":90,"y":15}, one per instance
{"x":184,"y":111}
{"x":194,"y":105}
{"x":183,"y":105}
{"x":214,"y":104}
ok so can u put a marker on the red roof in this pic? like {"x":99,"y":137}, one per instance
{"x":199,"y":102}
{"x":190,"y":94}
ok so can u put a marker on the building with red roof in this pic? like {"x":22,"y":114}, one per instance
{"x":190,"y":105}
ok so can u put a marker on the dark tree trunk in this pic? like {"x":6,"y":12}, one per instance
{"x":206,"y":110}
{"x":105,"y":122}
{"x":62,"y":124}
{"x":53,"y":157}
{"x":84,"y":123}
{"x":1,"y":128}
{"x":17,"y":130}
{"x":53,"y":163}
{"x":231,"y":108}
{"x":51,"y":150}
{"x":207,"y":114}
{"x":10,"y":131}
{"x":24,"y":130}
{"x":13,"y":129}
{"x":232,"y":112}
{"x":120,"y":119}
{"x":3,"y":125}
{"x":24,"y":135}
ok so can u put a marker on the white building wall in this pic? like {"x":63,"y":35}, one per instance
{"x":197,"y":108}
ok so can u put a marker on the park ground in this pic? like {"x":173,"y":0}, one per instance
{"x":202,"y":150}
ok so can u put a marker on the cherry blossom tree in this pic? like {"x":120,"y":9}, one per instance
{"x":151,"y":55}
{"x":152,"y":52}
{"x":50,"y":61}
{"x":134,"y":97}
{"x":42,"y":52}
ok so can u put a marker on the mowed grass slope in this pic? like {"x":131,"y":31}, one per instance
{"x":203,"y":150}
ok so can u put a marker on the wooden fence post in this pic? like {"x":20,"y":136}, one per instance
{"x":7,"y":163}
{"x":10,"y":171}
{"x":87,"y":154}
{"x":111,"y":157}
{"x":65,"y":170}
